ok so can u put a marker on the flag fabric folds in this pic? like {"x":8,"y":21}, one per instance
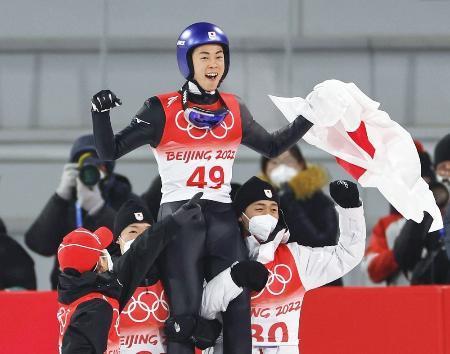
{"x":367,"y":143}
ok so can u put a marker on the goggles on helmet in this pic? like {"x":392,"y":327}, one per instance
{"x":204,"y":118}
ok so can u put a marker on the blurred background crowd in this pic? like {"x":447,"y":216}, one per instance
{"x":56,"y":55}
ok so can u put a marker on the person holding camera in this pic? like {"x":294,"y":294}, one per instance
{"x":88,"y":195}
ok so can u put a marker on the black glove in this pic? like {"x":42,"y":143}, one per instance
{"x":409,"y":243}
{"x":206,"y":333}
{"x":345,"y":194}
{"x":250,"y":274}
{"x":180,"y":328}
{"x":195,"y":329}
{"x":190,"y":211}
{"x":104,"y":100}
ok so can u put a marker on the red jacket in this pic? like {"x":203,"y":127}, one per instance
{"x":381,"y":262}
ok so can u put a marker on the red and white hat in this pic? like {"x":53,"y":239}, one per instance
{"x":81,"y":248}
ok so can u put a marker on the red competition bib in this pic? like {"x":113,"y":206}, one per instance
{"x":142,"y":321}
{"x":65,"y":313}
{"x":192,"y":160}
{"x":276,"y":309}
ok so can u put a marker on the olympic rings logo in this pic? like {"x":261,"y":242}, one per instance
{"x":157,"y":304}
{"x":277,"y":281}
{"x":117,"y":324}
{"x":62,"y":318}
{"x":189,"y":127}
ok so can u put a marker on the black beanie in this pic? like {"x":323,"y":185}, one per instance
{"x":2,"y":227}
{"x":131,"y":212}
{"x":442,"y":150}
{"x":426,"y":166}
{"x":251,"y":191}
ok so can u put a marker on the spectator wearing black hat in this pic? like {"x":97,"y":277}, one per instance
{"x":442,"y":168}
{"x":294,"y":269}
{"x":442,"y":160}
{"x":130,"y":223}
{"x":16,"y":266}
{"x":421,"y":254}
{"x":88,"y":194}
{"x":144,"y":331}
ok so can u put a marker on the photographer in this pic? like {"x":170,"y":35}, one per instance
{"x":87,"y":196}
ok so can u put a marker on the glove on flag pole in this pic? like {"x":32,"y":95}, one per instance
{"x":367,"y":143}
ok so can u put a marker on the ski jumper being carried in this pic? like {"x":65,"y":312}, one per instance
{"x":194,"y":134}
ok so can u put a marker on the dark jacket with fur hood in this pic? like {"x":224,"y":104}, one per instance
{"x":310,"y":214}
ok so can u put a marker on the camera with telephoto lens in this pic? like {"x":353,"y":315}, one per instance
{"x":89,"y":173}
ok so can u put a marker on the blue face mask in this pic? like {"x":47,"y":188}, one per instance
{"x":204,"y":118}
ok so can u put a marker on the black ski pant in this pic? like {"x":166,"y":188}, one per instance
{"x":201,"y":251}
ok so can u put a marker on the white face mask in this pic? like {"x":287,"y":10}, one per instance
{"x":126,"y":245}
{"x":105,"y":254}
{"x":261,"y":226}
{"x":282,"y":174}
{"x":444,"y":180}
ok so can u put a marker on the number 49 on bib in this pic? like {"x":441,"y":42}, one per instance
{"x":214,"y":179}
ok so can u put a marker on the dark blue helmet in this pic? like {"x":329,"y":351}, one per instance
{"x":195,"y":35}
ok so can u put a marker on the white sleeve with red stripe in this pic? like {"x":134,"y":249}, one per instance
{"x":318,"y":266}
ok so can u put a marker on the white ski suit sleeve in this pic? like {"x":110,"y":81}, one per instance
{"x":318,"y":266}
{"x":218,"y":293}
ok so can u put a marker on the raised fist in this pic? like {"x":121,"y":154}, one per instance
{"x":105,"y":100}
{"x":345,"y":194}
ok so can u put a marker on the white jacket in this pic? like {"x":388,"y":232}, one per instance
{"x":315,"y":266}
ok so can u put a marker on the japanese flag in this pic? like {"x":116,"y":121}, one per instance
{"x":367,"y":143}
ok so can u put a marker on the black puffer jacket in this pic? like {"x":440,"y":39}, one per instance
{"x":16,"y":265}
